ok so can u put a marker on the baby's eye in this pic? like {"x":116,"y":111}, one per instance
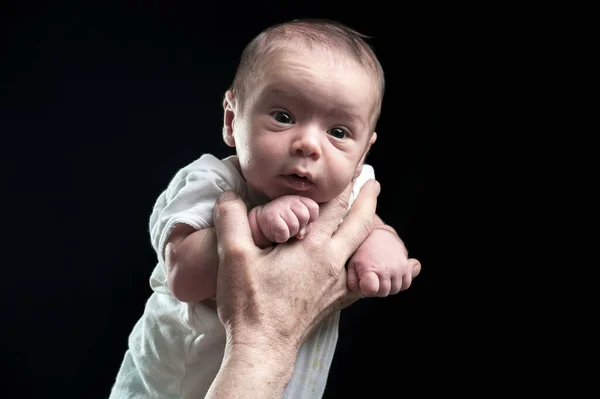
{"x":338,"y":133}
{"x":282,"y":117}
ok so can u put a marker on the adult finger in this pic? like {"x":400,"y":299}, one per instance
{"x":358,"y":223}
{"x":330,"y":215}
{"x":232,"y":228}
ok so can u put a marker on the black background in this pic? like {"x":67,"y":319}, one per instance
{"x":101,"y":104}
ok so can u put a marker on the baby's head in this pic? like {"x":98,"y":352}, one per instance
{"x":303,"y":107}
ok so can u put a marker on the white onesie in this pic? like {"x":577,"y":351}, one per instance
{"x":175,"y":348}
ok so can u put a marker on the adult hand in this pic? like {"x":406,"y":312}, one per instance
{"x":269,"y":300}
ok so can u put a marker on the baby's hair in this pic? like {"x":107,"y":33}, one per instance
{"x":313,"y":32}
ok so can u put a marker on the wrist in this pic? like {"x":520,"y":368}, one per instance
{"x":386,"y":227}
{"x":250,"y":372}
{"x":264,"y":363}
{"x":391,"y":230}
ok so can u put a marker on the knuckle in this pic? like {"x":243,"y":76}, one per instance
{"x":332,"y":270}
{"x":278,"y":229}
{"x":223,"y":210}
{"x":289,"y":200}
{"x":311,"y":208}
{"x":314,"y":241}
{"x":309,"y":202}
{"x":294,"y":225}
{"x":236,"y":253}
{"x":302,"y":215}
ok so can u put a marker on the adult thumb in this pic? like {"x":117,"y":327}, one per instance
{"x":230,"y":217}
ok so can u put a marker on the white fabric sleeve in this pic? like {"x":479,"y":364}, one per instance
{"x":366,"y":174}
{"x":190,"y":198}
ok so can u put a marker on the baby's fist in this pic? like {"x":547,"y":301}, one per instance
{"x":286,"y":217}
{"x":380,"y":266}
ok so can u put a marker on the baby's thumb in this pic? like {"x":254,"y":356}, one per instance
{"x":369,"y":283}
{"x":415,"y":266}
{"x":352,"y":278}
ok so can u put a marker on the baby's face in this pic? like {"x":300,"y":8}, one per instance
{"x":305,"y":126}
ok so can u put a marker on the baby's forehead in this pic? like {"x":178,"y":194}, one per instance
{"x":281,"y":50}
{"x":290,"y":63}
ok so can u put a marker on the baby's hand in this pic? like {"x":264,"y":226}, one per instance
{"x":380,"y":266}
{"x":283,"y":218}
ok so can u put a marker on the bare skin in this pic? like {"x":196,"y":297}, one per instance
{"x":264,"y":328}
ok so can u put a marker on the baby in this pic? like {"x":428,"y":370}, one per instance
{"x":301,"y":115}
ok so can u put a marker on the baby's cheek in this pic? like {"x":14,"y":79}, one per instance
{"x":338,"y":184}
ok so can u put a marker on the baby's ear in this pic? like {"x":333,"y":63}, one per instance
{"x":362,"y":160}
{"x":229,"y":111}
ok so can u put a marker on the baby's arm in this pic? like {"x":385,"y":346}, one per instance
{"x":191,"y":261}
{"x":380,"y":266}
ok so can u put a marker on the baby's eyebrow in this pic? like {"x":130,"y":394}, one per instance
{"x":278,"y":92}
{"x":338,"y":109}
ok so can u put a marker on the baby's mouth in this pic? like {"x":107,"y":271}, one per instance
{"x":303,"y":178}
{"x":297,"y":182}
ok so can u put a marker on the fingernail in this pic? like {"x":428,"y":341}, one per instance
{"x":227,"y":196}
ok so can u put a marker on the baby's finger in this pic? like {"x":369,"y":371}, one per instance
{"x":291,"y":221}
{"x":312,"y":207}
{"x":301,"y":234}
{"x":304,"y":231}
{"x":384,"y":287}
{"x":395,"y":284}
{"x":406,"y":281}
{"x":415,"y":266}
{"x":352,"y":279}
{"x":279,"y":230}
{"x":301,"y":212}
{"x":369,"y":284}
